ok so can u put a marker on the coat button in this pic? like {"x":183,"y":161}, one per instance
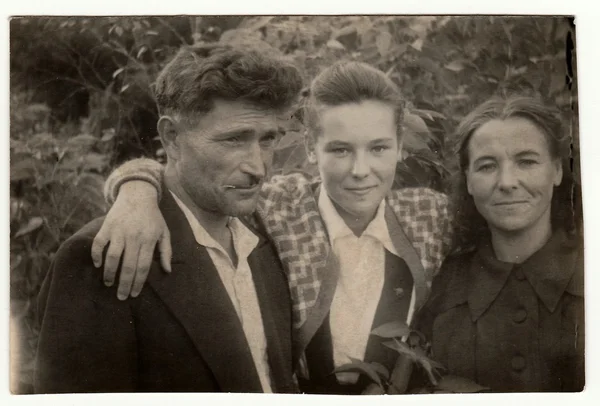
{"x":399,"y":292}
{"x":518,"y":363}
{"x":520,"y":316}
{"x":519,"y":275}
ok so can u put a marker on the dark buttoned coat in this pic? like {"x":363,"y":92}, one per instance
{"x":512,"y":328}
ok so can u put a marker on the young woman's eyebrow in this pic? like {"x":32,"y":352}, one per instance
{"x":381,"y":141}
{"x":337,"y":143}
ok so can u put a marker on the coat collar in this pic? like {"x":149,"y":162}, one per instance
{"x":401,"y":245}
{"x":403,"y":248}
{"x":337,"y":227}
{"x":555,"y":268}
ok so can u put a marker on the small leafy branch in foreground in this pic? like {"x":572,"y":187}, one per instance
{"x":413,"y":349}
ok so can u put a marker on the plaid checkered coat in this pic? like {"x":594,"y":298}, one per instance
{"x":418,"y":220}
{"x":419,"y":225}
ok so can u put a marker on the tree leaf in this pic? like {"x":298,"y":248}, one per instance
{"x":95,"y":161}
{"x":117,"y":72}
{"x":360,"y":367}
{"x":431,"y":367}
{"x":289,"y":139}
{"x":81,"y":143}
{"x":417,"y":135}
{"x":381,"y":370}
{"x":455,"y":66}
{"x":401,"y":374}
{"x":558,"y":83}
{"x":393,"y":329}
{"x":401,"y":348}
{"x":33,"y":224}
{"x":335,"y":44}
{"x":415,"y":123}
{"x":429,"y":114}
{"x":349,"y":29}
{"x":412,"y":142}
{"x":143,"y":49}
{"x":383,"y":42}
{"x":255,"y":23}
{"x":457,"y":384}
{"x":373,"y":389}
{"x":417,"y":44}
{"x":15,"y":261}
{"x":23,"y":169}
{"x":417,"y":355}
{"x":108,"y":135}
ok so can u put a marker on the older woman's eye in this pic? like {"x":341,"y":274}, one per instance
{"x":527,"y":163}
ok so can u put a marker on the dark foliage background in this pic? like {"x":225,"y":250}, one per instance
{"x":81,"y":104}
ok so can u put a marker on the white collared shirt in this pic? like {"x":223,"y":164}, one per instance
{"x":239,"y":285}
{"x":360,"y":282}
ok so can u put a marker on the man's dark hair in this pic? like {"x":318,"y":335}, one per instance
{"x":196,"y":76}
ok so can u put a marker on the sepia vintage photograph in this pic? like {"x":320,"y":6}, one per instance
{"x":299,"y":204}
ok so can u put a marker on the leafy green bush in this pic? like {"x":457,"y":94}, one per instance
{"x":56,"y":184}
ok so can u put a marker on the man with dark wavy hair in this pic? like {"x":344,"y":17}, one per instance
{"x":222,"y":320}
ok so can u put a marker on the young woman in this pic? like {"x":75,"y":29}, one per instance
{"x":509,"y":314}
{"x":357,"y":254}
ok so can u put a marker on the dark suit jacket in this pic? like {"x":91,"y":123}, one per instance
{"x":181,"y":334}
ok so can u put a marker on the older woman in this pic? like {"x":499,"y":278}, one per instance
{"x":509,"y":312}
{"x":357,"y":254}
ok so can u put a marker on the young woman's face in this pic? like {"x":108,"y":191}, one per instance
{"x":511,"y":174}
{"x":356,"y":153}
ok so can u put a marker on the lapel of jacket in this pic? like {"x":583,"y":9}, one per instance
{"x":197,"y":298}
{"x":328,"y":275}
{"x":273,"y":293}
{"x":407,"y":252}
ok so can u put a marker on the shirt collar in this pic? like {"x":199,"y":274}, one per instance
{"x":244,"y":240}
{"x":552,"y":270}
{"x":337,"y":227}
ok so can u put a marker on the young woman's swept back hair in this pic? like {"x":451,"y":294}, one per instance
{"x":350,"y":82}
{"x":470,"y":225}
{"x":196,"y":76}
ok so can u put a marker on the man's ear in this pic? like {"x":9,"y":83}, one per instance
{"x":168,"y":130}
{"x":309,"y":146}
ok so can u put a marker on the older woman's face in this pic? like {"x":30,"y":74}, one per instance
{"x":511,"y":174}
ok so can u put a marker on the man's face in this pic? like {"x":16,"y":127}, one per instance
{"x":222,"y":162}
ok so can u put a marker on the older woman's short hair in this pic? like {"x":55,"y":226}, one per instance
{"x":350,"y":82}
{"x":470,"y":225}
{"x":197,"y":76}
